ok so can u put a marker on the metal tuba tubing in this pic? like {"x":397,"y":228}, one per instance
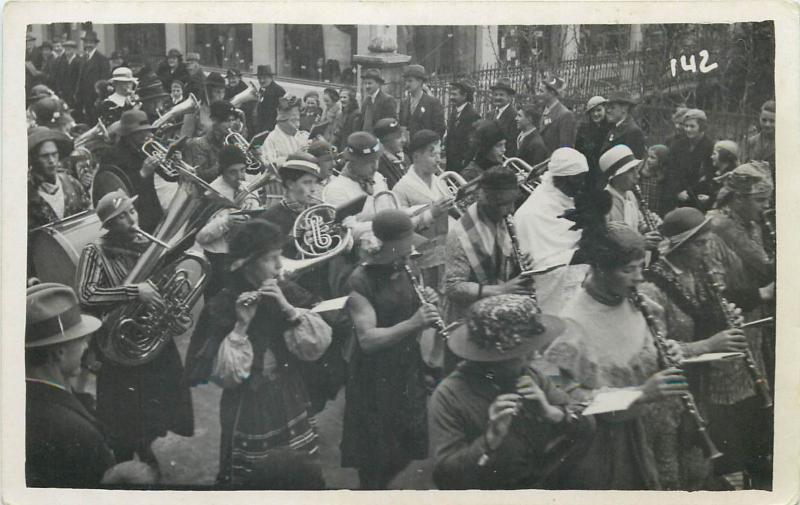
{"x":248,"y":95}
{"x":98,"y":132}
{"x":191,"y":104}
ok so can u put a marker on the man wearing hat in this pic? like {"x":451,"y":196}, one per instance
{"x":761,"y":146}
{"x":137,"y":171}
{"x":64,"y":444}
{"x":152,"y":97}
{"x":621,"y":169}
{"x":233,"y":83}
{"x":94,"y":67}
{"x":264,"y":323}
{"x":420,"y":186}
{"x":460,"y":125}
{"x":203,"y":152}
{"x":195,"y":78}
{"x":52,"y":194}
{"x":624,"y":129}
{"x":592,"y":132}
{"x":385,"y":418}
{"x":557,"y":125}
{"x":123,"y":98}
{"x":268,"y":94}
{"x":375,"y":104}
{"x":393,"y":163}
{"x":215,"y":86}
{"x":171,"y":69}
{"x":504,"y":114}
{"x":542,"y":232}
{"x":213,"y":237}
{"x":682,"y":282}
{"x":498,"y":422}
{"x":419,"y":110}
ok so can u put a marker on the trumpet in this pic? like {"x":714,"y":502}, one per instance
{"x":236,"y":139}
{"x":191,"y":104}
{"x":527,"y":175}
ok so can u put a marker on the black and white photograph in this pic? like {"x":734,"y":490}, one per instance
{"x":276,"y":256}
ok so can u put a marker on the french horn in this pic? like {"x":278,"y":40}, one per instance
{"x":318,"y":237}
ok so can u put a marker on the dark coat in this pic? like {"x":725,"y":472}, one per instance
{"x":267,"y":108}
{"x":690,"y":168}
{"x":508,"y":125}
{"x":65,"y":77}
{"x":557,"y":127}
{"x":532,"y":149}
{"x":346,"y":123}
{"x":428,"y":115}
{"x":458,"y":145}
{"x":64,"y":444}
{"x":385,"y":106}
{"x":196,"y":84}
{"x":393,"y":170}
{"x":588,"y":141}
{"x":91,"y":71}
{"x":166,"y":74}
{"x":628,"y":133}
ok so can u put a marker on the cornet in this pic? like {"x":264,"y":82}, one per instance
{"x":249,"y":95}
{"x":525,"y":172}
{"x":191,"y":104}
{"x":236,"y":139}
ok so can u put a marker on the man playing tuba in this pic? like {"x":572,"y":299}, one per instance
{"x":137,"y":403}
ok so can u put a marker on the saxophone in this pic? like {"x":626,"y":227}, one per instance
{"x":689,"y":403}
{"x":525,"y":268}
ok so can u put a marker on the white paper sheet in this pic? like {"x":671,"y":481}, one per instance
{"x":612,"y":401}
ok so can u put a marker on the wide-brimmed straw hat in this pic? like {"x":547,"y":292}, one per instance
{"x":618,"y":160}
{"x":504,"y":327}
{"x":53,"y":316}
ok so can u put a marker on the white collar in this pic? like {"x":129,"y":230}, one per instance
{"x":461,"y":107}
{"x":375,"y":95}
{"x":89,"y":56}
{"x":621,"y":121}
{"x":522,"y":135}
{"x":502,"y":109}
{"x":117,"y":99}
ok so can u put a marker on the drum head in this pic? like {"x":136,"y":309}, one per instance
{"x":109,"y":179}
{"x":55,"y":250}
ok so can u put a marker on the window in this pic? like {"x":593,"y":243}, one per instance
{"x":223,"y":46}
{"x":317,"y":52}
{"x":141,"y":43}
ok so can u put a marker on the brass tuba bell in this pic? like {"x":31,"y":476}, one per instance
{"x":97,"y":134}
{"x":248,"y":95}
{"x":191,"y":104}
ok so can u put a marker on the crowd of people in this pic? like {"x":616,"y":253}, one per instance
{"x":491,"y":313}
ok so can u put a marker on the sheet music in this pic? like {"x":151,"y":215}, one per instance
{"x":329,"y":305}
{"x":612,"y":401}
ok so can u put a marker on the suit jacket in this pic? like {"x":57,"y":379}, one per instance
{"x":627,"y":133}
{"x":267,"y":108}
{"x":91,"y":71}
{"x":64,"y":443}
{"x":65,"y":77}
{"x":428,"y":115}
{"x":532,"y":149}
{"x":392,"y":168}
{"x":458,"y":145}
{"x":384,"y":106}
{"x":558,"y":127}
{"x":508,"y":125}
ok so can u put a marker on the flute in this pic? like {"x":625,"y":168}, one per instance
{"x":689,"y":403}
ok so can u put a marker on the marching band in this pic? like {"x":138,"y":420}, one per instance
{"x":499,"y":297}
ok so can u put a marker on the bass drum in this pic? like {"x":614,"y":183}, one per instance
{"x":108,"y":179}
{"x":56,"y":248}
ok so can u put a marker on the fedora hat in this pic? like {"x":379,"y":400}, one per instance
{"x":113,"y":204}
{"x":465,"y":85}
{"x":232,"y":72}
{"x":122,"y":74}
{"x":90,"y":35}
{"x":621,"y":97}
{"x":374,"y":74}
{"x":132,"y":121}
{"x":264,"y":71}
{"x":504,"y":327}
{"x":503,"y":84}
{"x":555,"y":84}
{"x":70,"y":43}
{"x":618,"y":160}
{"x":53,"y":316}
{"x":41,"y":134}
{"x":395,"y":230}
{"x":416,"y":71}
{"x":679,"y":226}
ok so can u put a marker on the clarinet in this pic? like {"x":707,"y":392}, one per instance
{"x":441,"y":328}
{"x":760,"y":383}
{"x":689,"y":403}
{"x":525,"y":268}
{"x":644,"y":209}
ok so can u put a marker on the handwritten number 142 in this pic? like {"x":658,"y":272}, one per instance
{"x":690,"y":65}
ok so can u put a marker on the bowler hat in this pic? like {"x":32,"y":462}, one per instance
{"x":251,"y":240}
{"x":416,"y":71}
{"x":395,"y":230}
{"x":90,"y":35}
{"x":122,"y":74}
{"x":113,"y":204}
{"x":504,"y":327}
{"x":53,"y":316}
{"x":422,"y":139}
{"x":193,"y":57}
{"x":679,"y":226}
{"x":215,"y":80}
{"x":174,"y":53}
{"x":504,"y":84}
{"x":40,"y":134}
{"x":132,"y":121}
{"x":621,"y":97}
{"x":374,"y":74}
{"x":386,"y":126}
{"x":618,"y":160}
{"x":362,"y":145}
{"x":264,"y":71}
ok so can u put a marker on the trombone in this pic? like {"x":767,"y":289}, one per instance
{"x":527,"y":175}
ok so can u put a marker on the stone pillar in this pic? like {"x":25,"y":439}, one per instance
{"x":636,"y":38}
{"x":175,"y":37}
{"x":377,"y":48}
{"x":264,"y":50}
{"x":570,"y":37}
{"x":485,"y":45}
